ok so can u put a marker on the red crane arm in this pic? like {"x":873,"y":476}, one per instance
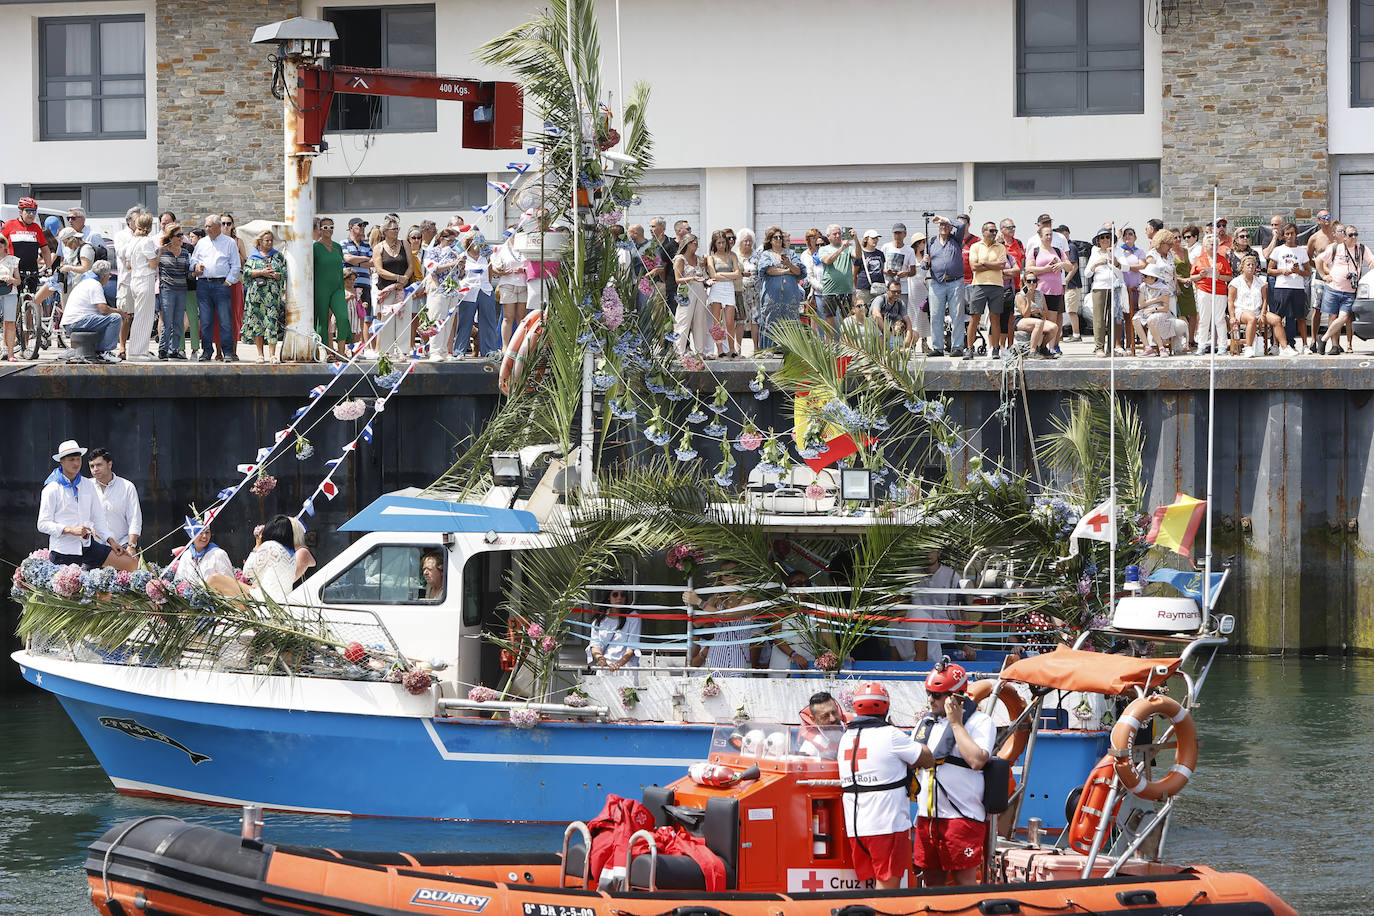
{"x":493,"y":111}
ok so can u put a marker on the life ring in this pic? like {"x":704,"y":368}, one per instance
{"x":517,"y":353}
{"x":1092,"y":802}
{"x":1012,"y":748}
{"x":1123,"y":743}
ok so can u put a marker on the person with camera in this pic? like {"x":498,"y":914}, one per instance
{"x":956,"y":740}
{"x":837,"y":279}
{"x":1341,"y":265}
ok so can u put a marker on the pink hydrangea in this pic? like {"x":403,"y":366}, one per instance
{"x":480,"y":694}
{"x":416,"y":681}
{"x":827,"y":661}
{"x":524,"y":717}
{"x":67,"y":582}
{"x":548,"y":644}
{"x":692,"y":362}
{"x":612,"y":218}
{"x":646,"y":286}
{"x":350,"y":410}
{"x":815,"y":491}
{"x":717,"y":333}
{"x":651,"y":262}
{"x":157,"y":590}
{"x":613,"y":316}
{"x":17,"y":580}
{"x":265,"y":484}
{"x":684,"y":556}
{"x":41,"y":554}
{"x":123,"y":579}
{"x":184,"y":589}
{"x":534,"y":630}
{"x":750,"y":441}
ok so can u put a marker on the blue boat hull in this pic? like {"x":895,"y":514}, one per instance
{"x":404,"y":766}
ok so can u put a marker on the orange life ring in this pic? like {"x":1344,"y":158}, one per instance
{"x":1012,"y":748}
{"x":1123,"y":742}
{"x":517,"y":353}
{"x":1092,"y":802}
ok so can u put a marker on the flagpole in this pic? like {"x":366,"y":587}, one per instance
{"x":1211,"y":422}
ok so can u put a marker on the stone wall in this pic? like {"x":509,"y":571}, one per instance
{"x":219,"y":133}
{"x":1244,"y":87}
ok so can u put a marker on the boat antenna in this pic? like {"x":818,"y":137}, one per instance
{"x":1117,"y":281}
{"x":1211,"y":422}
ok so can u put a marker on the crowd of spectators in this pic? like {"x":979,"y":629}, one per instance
{"x":1150,"y":292}
{"x":1153,"y":292}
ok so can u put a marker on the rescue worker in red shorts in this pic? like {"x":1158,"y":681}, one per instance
{"x":955,"y":741}
{"x":874,"y":756}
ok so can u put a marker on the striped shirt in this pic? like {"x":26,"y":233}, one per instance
{"x":173,"y":268}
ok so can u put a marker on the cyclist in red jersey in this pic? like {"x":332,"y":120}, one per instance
{"x":27,"y":240}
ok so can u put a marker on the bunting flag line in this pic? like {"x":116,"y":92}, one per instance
{"x":501,"y":187}
{"x":308,"y":507}
{"x":336,"y":368}
{"x":301,"y":412}
{"x":518,"y":167}
{"x":263,"y":453}
{"x":247,"y":468}
{"x":483,"y":209}
{"x":329,"y":488}
{"x":318,"y":390}
{"x":367,"y":433}
{"x":226,"y":492}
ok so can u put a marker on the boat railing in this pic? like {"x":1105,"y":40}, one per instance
{"x":550,"y":709}
{"x":326,"y":642}
{"x":648,"y":837}
{"x":579,"y":827}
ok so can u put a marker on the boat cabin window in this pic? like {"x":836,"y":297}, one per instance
{"x":391,"y":574}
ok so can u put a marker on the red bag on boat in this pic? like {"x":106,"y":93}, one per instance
{"x":674,"y":840}
{"x":611,"y":832}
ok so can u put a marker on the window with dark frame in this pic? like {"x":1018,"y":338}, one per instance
{"x":91,"y":78}
{"x":1362,"y":53}
{"x":404,"y":193}
{"x":1079,"y":57}
{"x":397,"y":37}
{"x":98,"y":200}
{"x":1065,"y":181}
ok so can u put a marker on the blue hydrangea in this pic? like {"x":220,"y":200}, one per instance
{"x":718,"y":408}
{"x":139,"y":579}
{"x":716,"y":430}
{"x":586,"y":337}
{"x":678,"y":394}
{"x":810,"y":451}
{"x":696,"y":417}
{"x":947,"y":449}
{"x":768,"y":467}
{"x":670,"y":337}
{"x":391,"y":378}
{"x":603,"y":382}
{"x":725,"y":479}
{"x":657,"y":437}
{"x":916,"y":407}
{"x":761,"y":395}
{"x":619,"y":411}
{"x":685,"y":454}
{"x":755,"y":385}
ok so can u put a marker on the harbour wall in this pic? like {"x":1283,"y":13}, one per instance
{"x":1292,"y":477}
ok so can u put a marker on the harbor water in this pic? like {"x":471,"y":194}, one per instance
{"x":1283,"y":792}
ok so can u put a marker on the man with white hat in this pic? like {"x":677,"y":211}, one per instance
{"x":70,"y":514}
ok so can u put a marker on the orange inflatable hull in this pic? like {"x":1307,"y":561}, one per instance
{"x":165,"y":866}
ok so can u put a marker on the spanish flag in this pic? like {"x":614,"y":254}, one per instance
{"x":1174,"y":526}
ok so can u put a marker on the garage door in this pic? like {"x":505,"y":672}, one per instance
{"x":1357,"y":201}
{"x":672,"y":196}
{"x":862,"y":204}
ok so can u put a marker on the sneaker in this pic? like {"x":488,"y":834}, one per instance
{"x":968,"y":354}
{"x":996,"y":352}
{"x":1056,"y":351}
{"x":177,"y":354}
{"x":956,"y":352}
{"x":1077,"y":338}
{"x":1206,"y":350}
{"x":204,"y":358}
{"x":1254,"y":351}
{"x":230,"y":358}
{"x":937,"y":354}
{"x":108,"y":357}
{"x":1336,"y":349}
{"x":1098,"y":351}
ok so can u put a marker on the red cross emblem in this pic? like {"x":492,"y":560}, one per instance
{"x":812,"y":883}
{"x":1098,"y":522}
{"x":849,"y":753}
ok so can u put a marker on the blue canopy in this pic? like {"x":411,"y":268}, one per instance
{"x":413,"y":513}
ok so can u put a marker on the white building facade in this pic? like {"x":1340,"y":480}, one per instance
{"x":795,"y":113}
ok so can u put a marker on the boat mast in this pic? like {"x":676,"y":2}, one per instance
{"x":1111,"y":420}
{"x":1211,"y":423}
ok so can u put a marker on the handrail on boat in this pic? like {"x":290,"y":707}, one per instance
{"x":582,"y":712}
{"x":648,"y":837}
{"x":582,"y":828}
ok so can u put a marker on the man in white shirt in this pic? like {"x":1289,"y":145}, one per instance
{"x":76,"y":218}
{"x":899,"y":262}
{"x":216,"y":265}
{"x":70,"y":514}
{"x":87,"y":310}
{"x":123,"y":515}
{"x":956,"y":741}
{"x":935,"y":639}
{"x":874,"y":756}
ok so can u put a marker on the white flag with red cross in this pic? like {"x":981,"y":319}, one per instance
{"x":1097,"y":525}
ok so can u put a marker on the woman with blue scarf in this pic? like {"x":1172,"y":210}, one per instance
{"x":201,"y":558}
{"x":264,"y":307}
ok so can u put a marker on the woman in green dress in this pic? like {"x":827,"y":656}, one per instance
{"x":1183,"y":268}
{"x":264,"y":277}
{"x":329,"y":288}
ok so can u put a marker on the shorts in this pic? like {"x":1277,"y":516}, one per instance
{"x":10,"y":303}
{"x":882,"y":857}
{"x":510,"y":295}
{"x":832,"y":306}
{"x":1054,"y":303}
{"x":1290,"y":303}
{"x":92,"y":557}
{"x":949,"y":843}
{"x":1334,"y":302}
{"x":984,"y":297}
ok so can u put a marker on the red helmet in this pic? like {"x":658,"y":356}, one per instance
{"x":28,"y":203}
{"x":871,"y":699}
{"x":946,"y":677}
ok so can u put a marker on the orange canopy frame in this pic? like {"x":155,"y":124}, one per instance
{"x":1090,"y":672}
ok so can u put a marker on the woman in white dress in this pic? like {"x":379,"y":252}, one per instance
{"x":143,"y":252}
{"x":614,"y":637}
{"x":278,"y":560}
{"x":692,"y":320}
{"x":202,"y":558}
{"x":723,"y":269}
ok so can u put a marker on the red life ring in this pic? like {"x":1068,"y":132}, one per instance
{"x":518,"y":353}
{"x":1123,"y":742}
{"x":1091,"y":804}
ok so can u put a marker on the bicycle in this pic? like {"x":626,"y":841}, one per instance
{"x":34,"y":331}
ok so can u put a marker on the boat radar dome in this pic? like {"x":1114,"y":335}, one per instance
{"x":1153,"y":614}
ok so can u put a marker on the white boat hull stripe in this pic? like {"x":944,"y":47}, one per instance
{"x":572,"y":759}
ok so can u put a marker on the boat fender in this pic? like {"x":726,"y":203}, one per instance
{"x":718,"y":776}
{"x":1123,"y":743}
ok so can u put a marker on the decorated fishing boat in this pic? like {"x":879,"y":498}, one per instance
{"x":759,"y":827}
{"x":450,"y":653}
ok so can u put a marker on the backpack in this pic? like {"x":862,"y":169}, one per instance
{"x":101,"y":253}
